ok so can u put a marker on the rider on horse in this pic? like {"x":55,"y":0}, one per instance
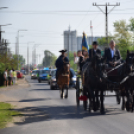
{"x":60,"y":61}
{"x":112,"y":55}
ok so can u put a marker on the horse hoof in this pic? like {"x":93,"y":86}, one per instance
{"x":118,"y":100}
{"x":102,"y":111}
{"x":66,"y":96}
{"x":122,"y":108}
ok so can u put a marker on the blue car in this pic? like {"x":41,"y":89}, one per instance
{"x":43,"y":75}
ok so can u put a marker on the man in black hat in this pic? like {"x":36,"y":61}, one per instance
{"x":59,"y":62}
{"x":94,"y":50}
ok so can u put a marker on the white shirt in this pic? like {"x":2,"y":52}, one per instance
{"x":10,"y":73}
{"x":76,"y":60}
{"x":5,"y":73}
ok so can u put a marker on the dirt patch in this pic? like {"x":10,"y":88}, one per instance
{"x":21,"y":83}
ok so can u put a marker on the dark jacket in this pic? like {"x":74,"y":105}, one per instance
{"x":92,"y":52}
{"x":108,"y":55}
{"x":59,"y":62}
{"x":81,"y":62}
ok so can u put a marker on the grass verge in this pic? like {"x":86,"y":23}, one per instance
{"x":6,"y":114}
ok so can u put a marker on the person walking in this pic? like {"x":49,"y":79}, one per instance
{"x":5,"y":77}
{"x":14,"y":76}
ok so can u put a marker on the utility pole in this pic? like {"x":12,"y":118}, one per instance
{"x":1,"y":36}
{"x":6,"y":50}
{"x":91,"y":29}
{"x":106,"y":14}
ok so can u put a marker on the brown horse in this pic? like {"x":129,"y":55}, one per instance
{"x":64,"y":79}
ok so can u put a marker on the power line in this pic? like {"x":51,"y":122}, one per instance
{"x":106,"y":14}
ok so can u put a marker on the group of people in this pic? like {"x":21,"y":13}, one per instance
{"x":9,"y":77}
{"x":111,"y":55}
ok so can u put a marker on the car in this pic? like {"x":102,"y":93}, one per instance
{"x":49,"y":76}
{"x":53,"y":84}
{"x":34,"y":74}
{"x":43,"y":75}
{"x":72,"y":83}
{"x":23,"y":71}
{"x":19,"y":74}
{"x":52,"y":81}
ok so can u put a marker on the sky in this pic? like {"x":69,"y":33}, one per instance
{"x":46,"y":20}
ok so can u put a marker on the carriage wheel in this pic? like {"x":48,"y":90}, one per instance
{"x":77,"y":92}
{"x":85,"y":105}
{"x":84,"y":102}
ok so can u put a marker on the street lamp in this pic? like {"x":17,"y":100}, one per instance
{"x":28,"y":56}
{"x":18,"y":44}
{"x":3,"y":7}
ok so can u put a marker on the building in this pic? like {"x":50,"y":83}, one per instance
{"x":72,"y":42}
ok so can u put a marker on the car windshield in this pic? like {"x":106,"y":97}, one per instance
{"x":44,"y":71}
{"x":35,"y":72}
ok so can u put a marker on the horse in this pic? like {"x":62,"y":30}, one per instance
{"x":64,"y":79}
{"x":94,"y":77}
{"x":119,"y":81}
{"x":129,"y":82}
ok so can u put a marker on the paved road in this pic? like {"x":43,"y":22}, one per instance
{"x":51,"y":115}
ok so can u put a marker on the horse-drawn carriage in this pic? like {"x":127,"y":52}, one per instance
{"x":97,"y":79}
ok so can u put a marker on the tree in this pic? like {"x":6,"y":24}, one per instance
{"x":49,"y":59}
{"x":71,"y":60}
{"x":103,"y":42}
{"x":122,"y":30}
{"x":123,"y":36}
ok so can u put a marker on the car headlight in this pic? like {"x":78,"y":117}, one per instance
{"x":74,"y":79}
{"x":54,"y":79}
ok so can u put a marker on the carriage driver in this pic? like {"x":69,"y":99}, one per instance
{"x":59,"y":62}
{"x":112,"y":55}
{"x":94,"y":50}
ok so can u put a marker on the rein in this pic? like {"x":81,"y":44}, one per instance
{"x":115,"y":68}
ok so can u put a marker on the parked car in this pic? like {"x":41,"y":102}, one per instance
{"x":19,"y":74}
{"x":34,"y":74}
{"x":43,"y":75}
{"x":53,"y":84}
{"x":23,"y":71}
{"x":50,"y":74}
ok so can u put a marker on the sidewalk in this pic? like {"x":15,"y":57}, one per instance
{"x":21,"y":83}
{"x":18,"y":105}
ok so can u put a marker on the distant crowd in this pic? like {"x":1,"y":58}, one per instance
{"x":10,"y":77}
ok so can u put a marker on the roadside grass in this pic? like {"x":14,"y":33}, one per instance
{"x":2,"y":86}
{"x":6,"y":114}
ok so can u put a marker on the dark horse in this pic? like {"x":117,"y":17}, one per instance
{"x":94,"y":77}
{"x":64,"y":79}
{"x":129,"y":82}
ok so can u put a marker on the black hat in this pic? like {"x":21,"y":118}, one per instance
{"x":95,"y":43}
{"x":63,"y":51}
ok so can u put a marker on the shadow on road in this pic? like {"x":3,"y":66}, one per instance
{"x":37,"y":99}
{"x":47,"y":113}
